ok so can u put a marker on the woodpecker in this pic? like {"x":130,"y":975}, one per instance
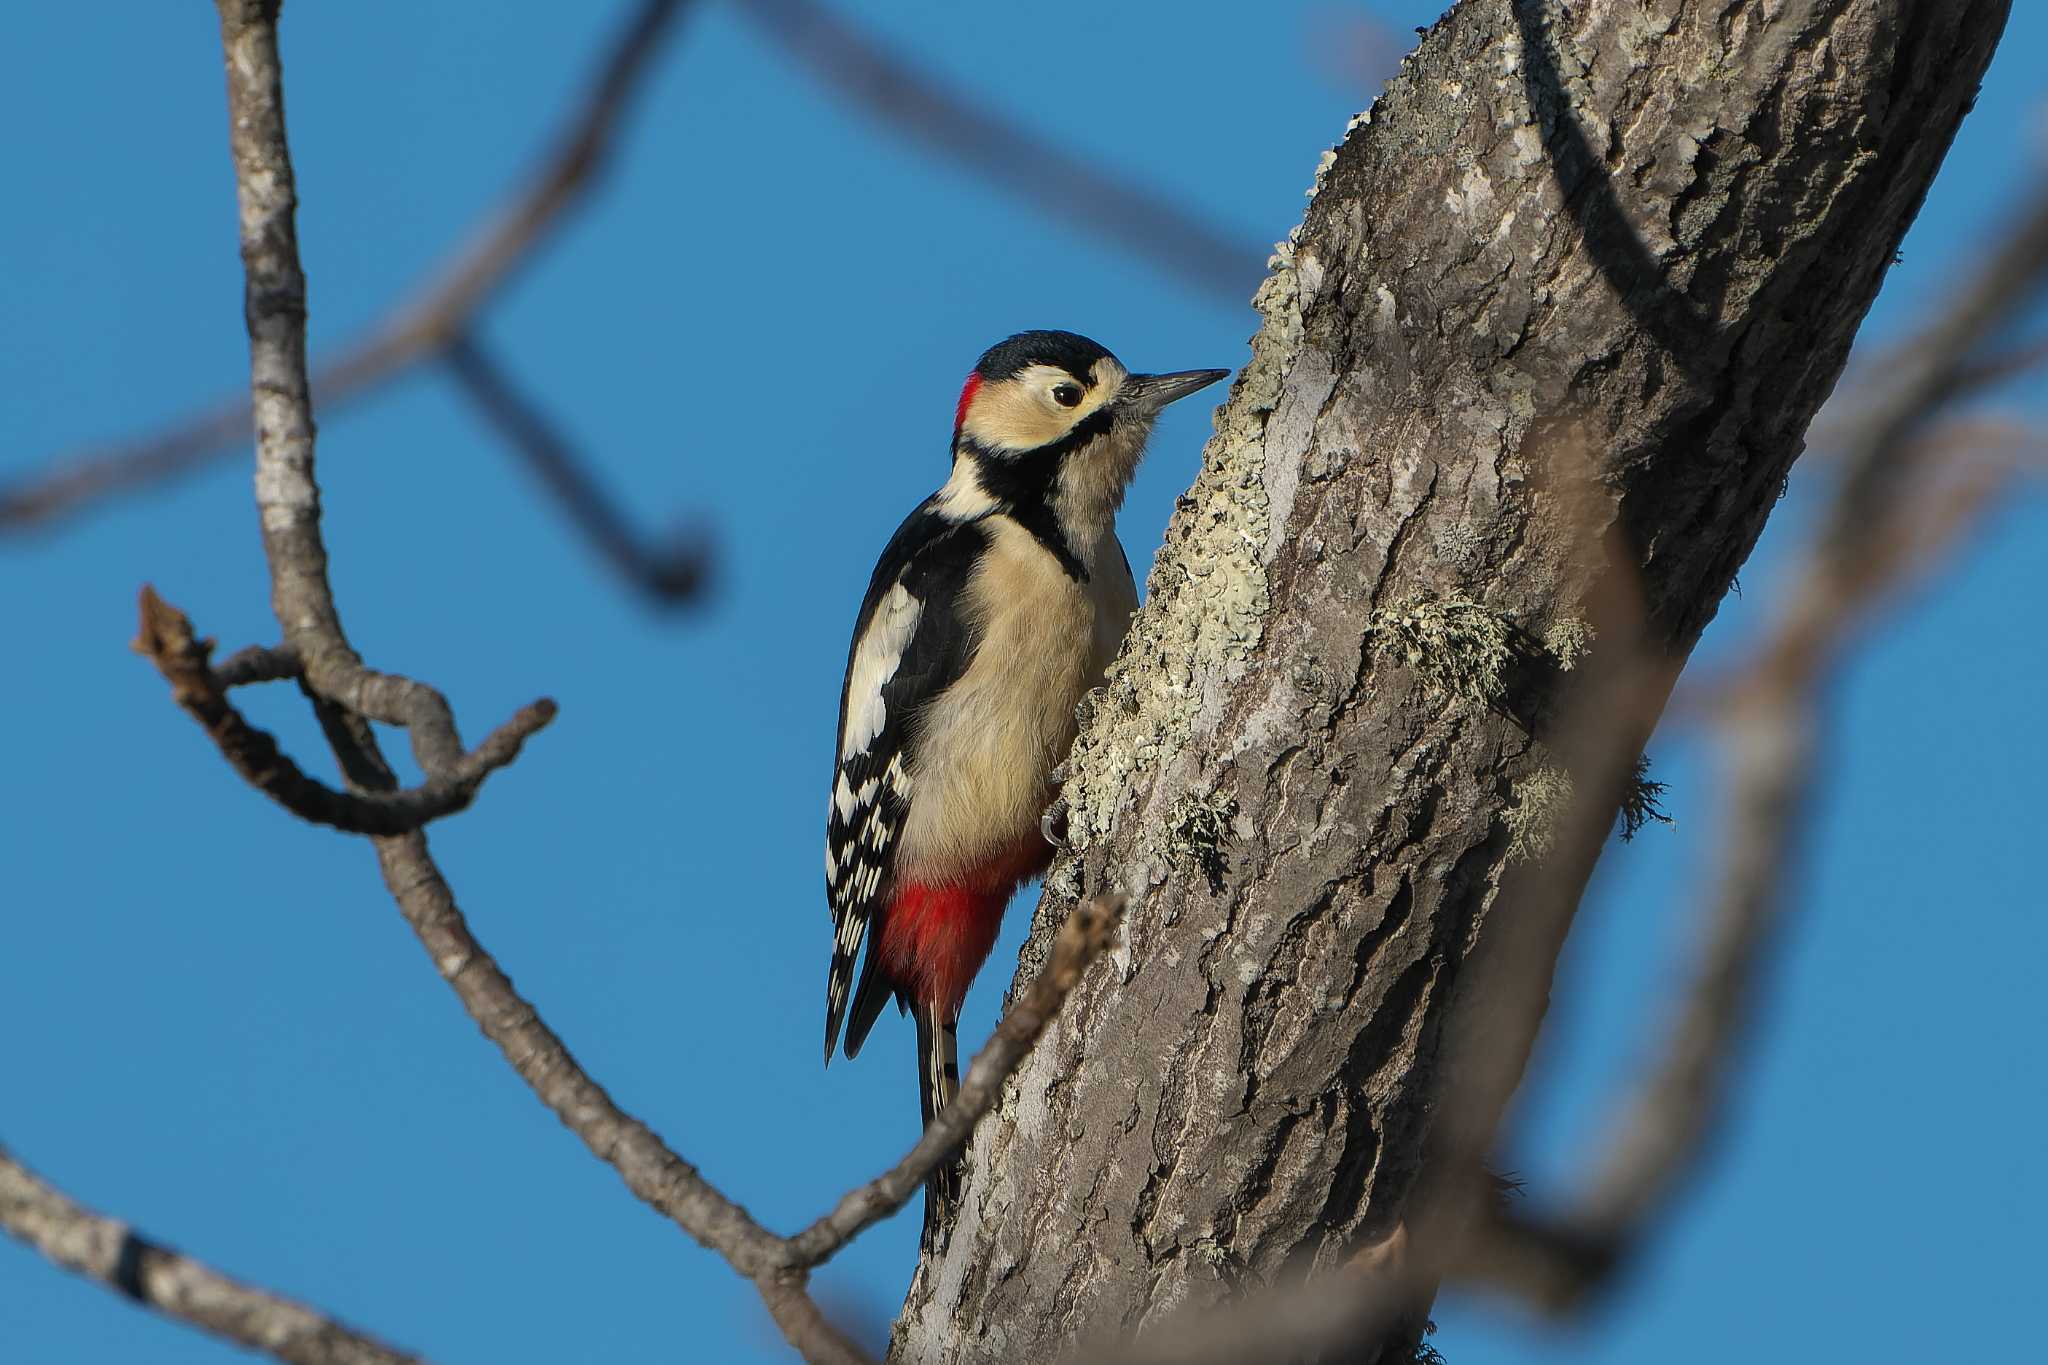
{"x":996,"y":605}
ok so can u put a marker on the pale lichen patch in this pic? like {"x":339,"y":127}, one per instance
{"x":1532,"y":822}
{"x":1459,"y":647}
{"x":1568,"y":640}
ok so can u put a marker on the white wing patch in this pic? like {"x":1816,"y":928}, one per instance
{"x":874,"y":663}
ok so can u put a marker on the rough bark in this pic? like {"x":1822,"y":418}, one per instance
{"x":1560,"y":311}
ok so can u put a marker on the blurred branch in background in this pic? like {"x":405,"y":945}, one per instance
{"x":917,"y":105}
{"x":440,"y":321}
{"x":174,"y":1284}
{"x":415,"y":331}
{"x":1910,"y":484}
{"x":670,"y":570}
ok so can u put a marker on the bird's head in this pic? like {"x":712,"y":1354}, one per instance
{"x":1055,"y":417}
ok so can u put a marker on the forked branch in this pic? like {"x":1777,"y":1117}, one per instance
{"x":165,"y":638}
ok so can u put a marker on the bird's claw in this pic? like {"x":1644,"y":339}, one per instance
{"x":1053,"y":824}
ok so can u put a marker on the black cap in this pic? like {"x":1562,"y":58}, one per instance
{"x":1070,"y":351}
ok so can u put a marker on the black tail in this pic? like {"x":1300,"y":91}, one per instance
{"x":938,"y":1080}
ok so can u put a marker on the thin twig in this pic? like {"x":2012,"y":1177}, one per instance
{"x":919,"y":106}
{"x":670,"y":573}
{"x":804,"y":1325}
{"x":415,"y":330}
{"x":1088,"y":930}
{"x":257,"y":664}
{"x":172,"y":1283}
{"x":165,"y":638}
{"x":651,"y":1170}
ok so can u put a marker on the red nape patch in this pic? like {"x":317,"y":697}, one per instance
{"x":967,"y":392}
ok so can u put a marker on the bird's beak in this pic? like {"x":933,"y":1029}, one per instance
{"x":1148,"y":393}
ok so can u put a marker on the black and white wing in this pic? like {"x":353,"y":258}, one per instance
{"x":909,"y":644}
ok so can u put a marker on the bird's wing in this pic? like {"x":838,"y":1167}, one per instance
{"x":910,"y":643}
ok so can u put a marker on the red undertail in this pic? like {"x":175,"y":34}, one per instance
{"x":936,"y":935}
{"x":935,"y":938}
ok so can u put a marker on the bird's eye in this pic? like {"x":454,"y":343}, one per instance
{"x":1066,"y":395}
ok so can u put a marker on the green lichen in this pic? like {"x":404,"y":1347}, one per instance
{"x":1200,"y":836}
{"x":1540,"y":802}
{"x":1459,"y":647}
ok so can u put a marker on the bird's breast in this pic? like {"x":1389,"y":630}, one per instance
{"x":985,"y":748}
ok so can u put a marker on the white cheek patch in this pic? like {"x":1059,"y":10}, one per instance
{"x":874,"y":663}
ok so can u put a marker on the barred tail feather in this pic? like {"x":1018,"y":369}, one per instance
{"x":938,"y":1080}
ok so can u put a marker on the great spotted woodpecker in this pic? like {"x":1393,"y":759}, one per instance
{"x":995,"y":607}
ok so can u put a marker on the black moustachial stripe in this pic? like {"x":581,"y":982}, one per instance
{"x":1023,"y":483}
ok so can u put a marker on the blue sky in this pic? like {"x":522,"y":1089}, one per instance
{"x":220,"y":1030}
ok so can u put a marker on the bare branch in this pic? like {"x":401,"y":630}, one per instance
{"x":256,"y":664}
{"x":2009,"y":364}
{"x":663,"y":1180}
{"x":804,"y":1325}
{"x":1086,"y":933}
{"x":1879,"y":529}
{"x":165,"y":638}
{"x":413,"y":331}
{"x":157,"y":1277}
{"x":669,"y":574}
{"x":920,"y":107}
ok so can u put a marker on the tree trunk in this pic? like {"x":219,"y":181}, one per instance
{"x":1579,"y":279}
